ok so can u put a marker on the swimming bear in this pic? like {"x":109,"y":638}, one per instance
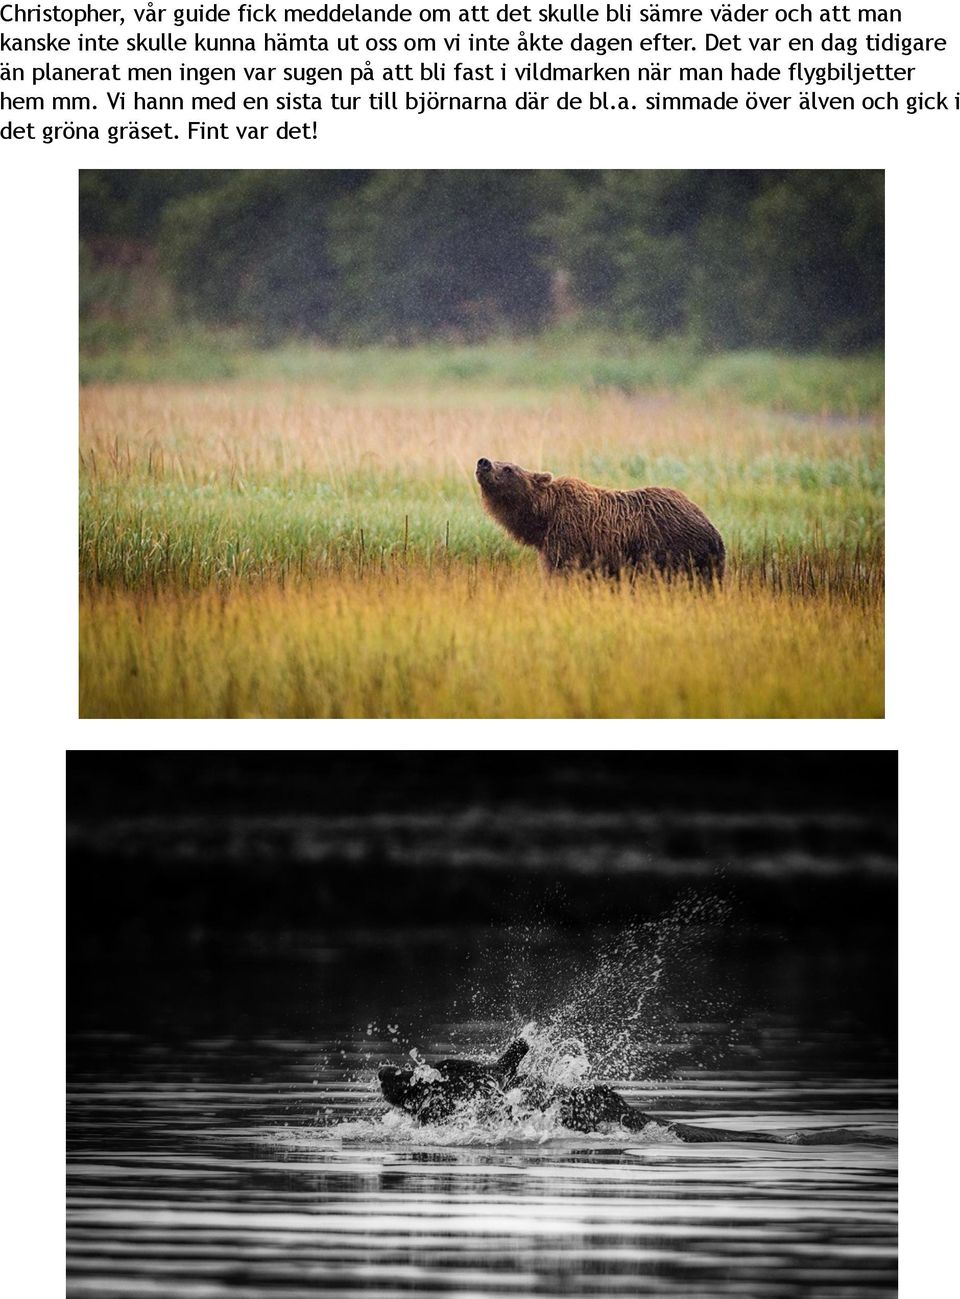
{"x":442,"y":1088}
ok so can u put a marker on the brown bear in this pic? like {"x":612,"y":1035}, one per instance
{"x":576,"y":526}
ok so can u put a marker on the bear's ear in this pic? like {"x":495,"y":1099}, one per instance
{"x":542,"y":479}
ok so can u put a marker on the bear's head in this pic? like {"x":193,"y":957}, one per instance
{"x":433,"y":1094}
{"x":515,"y":497}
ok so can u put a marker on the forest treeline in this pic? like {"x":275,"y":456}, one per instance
{"x":720,"y":259}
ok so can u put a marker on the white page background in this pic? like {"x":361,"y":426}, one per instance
{"x":39,"y":639}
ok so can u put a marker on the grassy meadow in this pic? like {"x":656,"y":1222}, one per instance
{"x":303,"y":537}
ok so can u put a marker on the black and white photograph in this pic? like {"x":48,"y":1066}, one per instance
{"x":485,"y":1024}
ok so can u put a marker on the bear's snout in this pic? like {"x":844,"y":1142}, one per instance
{"x":395,"y":1083}
{"x":483,"y":464}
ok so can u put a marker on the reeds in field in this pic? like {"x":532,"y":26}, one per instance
{"x":460,"y":642}
{"x":273,"y":431}
{"x":198,"y":485}
{"x":260,"y":549}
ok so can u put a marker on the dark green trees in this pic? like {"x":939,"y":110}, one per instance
{"x":722,"y":259}
{"x":450,"y":253}
{"x":731,"y":258}
{"x":255,"y":249}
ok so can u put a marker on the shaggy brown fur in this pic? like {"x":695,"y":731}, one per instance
{"x":576,"y":526}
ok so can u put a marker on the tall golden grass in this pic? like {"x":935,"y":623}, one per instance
{"x":241,"y":430}
{"x":463,"y":643}
{"x":260,"y":549}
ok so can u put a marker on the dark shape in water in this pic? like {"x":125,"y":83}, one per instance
{"x":433,"y":1100}
{"x":584,"y":1109}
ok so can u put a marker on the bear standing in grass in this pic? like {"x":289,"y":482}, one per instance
{"x":576,"y":526}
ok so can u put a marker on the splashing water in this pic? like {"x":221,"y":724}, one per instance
{"x":622,"y":1010}
{"x":423,"y":1072}
{"x":616,"y":1019}
{"x":181,"y":1166}
{"x":468,"y":1129}
{"x":552,"y":1059}
{"x":516,"y":1116}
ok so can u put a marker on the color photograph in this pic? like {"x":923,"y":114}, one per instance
{"x":481,"y":444}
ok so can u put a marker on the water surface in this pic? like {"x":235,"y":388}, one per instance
{"x":226,"y":1136}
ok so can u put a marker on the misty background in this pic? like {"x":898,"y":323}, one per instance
{"x":181,"y":852}
{"x":697,"y":262}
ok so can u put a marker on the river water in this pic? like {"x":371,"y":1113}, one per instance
{"x":226,"y":1135}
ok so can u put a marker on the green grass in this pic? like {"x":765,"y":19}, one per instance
{"x":287,"y":548}
{"x":555,"y":362}
{"x":850,"y":385}
{"x":190,"y":534}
